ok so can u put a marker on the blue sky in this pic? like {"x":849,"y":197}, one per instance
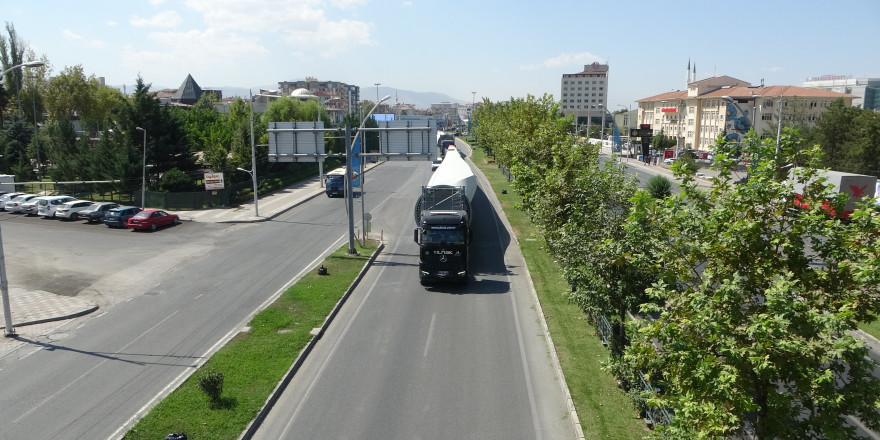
{"x":498,"y":49}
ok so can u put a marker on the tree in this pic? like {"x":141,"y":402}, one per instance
{"x":755,"y":306}
{"x":15,"y":137}
{"x":71,"y":95}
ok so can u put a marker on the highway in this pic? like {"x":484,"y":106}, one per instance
{"x":402,"y":361}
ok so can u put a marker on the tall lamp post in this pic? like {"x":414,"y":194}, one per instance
{"x":144,"y":173}
{"x":252,"y":173}
{"x":348,"y":175}
{"x":602,"y":128}
{"x":9,"y":329}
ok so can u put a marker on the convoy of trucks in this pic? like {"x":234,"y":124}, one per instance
{"x":443,"y":214}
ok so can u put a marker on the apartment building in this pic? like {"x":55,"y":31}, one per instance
{"x":338,"y":98}
{"x":716,"y":105}
{"x":585,"y":94}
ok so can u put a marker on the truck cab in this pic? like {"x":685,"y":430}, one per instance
{"x":443,"y":238}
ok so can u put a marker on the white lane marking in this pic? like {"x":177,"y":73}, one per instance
{"x":95,"y":367}
{"x":326,"y":361}
{"x":235,"y":330}
{"x":430,"y":334}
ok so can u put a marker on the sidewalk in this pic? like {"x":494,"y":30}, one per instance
{"x":30,"y":307}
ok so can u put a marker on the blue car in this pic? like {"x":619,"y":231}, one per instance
{"x":118,"y":217}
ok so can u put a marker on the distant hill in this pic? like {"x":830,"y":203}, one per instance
{"x":419,"y":100}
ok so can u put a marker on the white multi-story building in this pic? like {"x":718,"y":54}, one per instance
{"x":338,"y":98}
{"x":709,"y":107}
{"x":866,"y":90}
{"x":585,"y":94}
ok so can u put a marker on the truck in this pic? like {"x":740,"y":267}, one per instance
{"x":858,"y":186}
{"x":443,"y":217}
{"x":334,"y":183}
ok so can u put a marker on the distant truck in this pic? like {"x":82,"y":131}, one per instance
{"x":334,"y":183}
{"x":857,"y":186}
{"x":443,"y":215}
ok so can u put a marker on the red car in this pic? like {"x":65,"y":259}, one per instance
{"x":152,"y":219}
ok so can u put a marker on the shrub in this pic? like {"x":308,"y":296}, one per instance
{"x":659,"y":187}
{"x":211,"y":382}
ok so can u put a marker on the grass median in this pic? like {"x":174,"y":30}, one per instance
{"x":254,"y":361}
{"x":605,"y":412}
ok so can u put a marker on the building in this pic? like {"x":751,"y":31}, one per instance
{"x":584,"y":94}
{"x":866,"y":90}
{"x":338,"y":98}
{"x":709,"y":107}
{"x":189,"y":93}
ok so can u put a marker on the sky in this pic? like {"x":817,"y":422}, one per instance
{"x":468,"y":50}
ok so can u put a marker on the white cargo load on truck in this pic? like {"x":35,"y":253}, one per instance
{"x":455,"y":171}
{"x":856,"y":185}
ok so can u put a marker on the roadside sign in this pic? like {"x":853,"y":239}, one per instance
{"x":213,"y":181}
{"x":641,"y":132}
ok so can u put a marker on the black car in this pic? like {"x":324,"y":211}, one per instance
{"x":118,"y":217}
{"x":96,"y":212}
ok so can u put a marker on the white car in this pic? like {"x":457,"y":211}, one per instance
{"x":71,"y":209}
{"x":14,"y":205}
{"x":47,"y":206}
{"x":7,"y":197}
{"x":669,"y":161}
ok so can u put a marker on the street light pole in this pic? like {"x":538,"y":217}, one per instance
{"x":9,"y":329}
{"x":144,"y":174}
{"x":349,"y":145}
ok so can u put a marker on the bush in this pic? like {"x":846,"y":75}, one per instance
{"x":211,"y":382}
{"x":175,"y":180}
{"x":659,"y":187}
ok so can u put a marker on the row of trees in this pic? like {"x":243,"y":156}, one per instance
{"x":70,"y":127}
{"x":736,"y":308}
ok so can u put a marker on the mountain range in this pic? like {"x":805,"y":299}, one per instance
{"x":419,"y":100}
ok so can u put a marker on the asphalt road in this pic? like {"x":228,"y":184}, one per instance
{"x":423,"y":363}
{"x":168,"y":299}
{"x":403,"y":361}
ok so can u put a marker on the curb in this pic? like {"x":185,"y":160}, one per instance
{"x":288,"y":377}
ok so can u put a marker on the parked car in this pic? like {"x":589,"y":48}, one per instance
{"x":95,"y":212}
{"x":30,"y":207}
{"x":669,"y":161}
{"x":118,"y":217}
{"x":71,"y":210}
{"x":7,"y":197}
{"x":14,"y":205}
{"x":152,"y":219}
{"x":47,"y":206}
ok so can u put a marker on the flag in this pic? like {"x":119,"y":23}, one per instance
{"x":356,"y":161}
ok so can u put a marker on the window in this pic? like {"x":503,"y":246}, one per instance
{"x":767,"y":117}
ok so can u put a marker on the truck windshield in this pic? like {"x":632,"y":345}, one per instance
{"x":446,"y":236}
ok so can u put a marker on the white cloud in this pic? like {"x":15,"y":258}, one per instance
{"x":301,"y":23}
{"x":80,"y":41}
{"x":564,"y":60}
{"x":156,"y":2}
{"x":208,"y":50}
{"x":112,"y":23}
{"x":164,"y":19}
{"x":406,"y":4}
{"x":775,"y":69}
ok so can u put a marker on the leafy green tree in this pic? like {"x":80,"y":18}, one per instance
{"x":72,"y":95}
{"x":662,"y":142}
{"x":67,"y":153}
{"x":755,"y":306}
{"x":15,"y":137}
{"x":849,"y":139}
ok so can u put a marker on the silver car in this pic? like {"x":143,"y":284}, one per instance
{"x":14,"y":205}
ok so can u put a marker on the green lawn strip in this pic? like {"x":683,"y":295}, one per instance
{"x":604,"y":410}
{"x":872,"y":329}
{"x":254,"y":362}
